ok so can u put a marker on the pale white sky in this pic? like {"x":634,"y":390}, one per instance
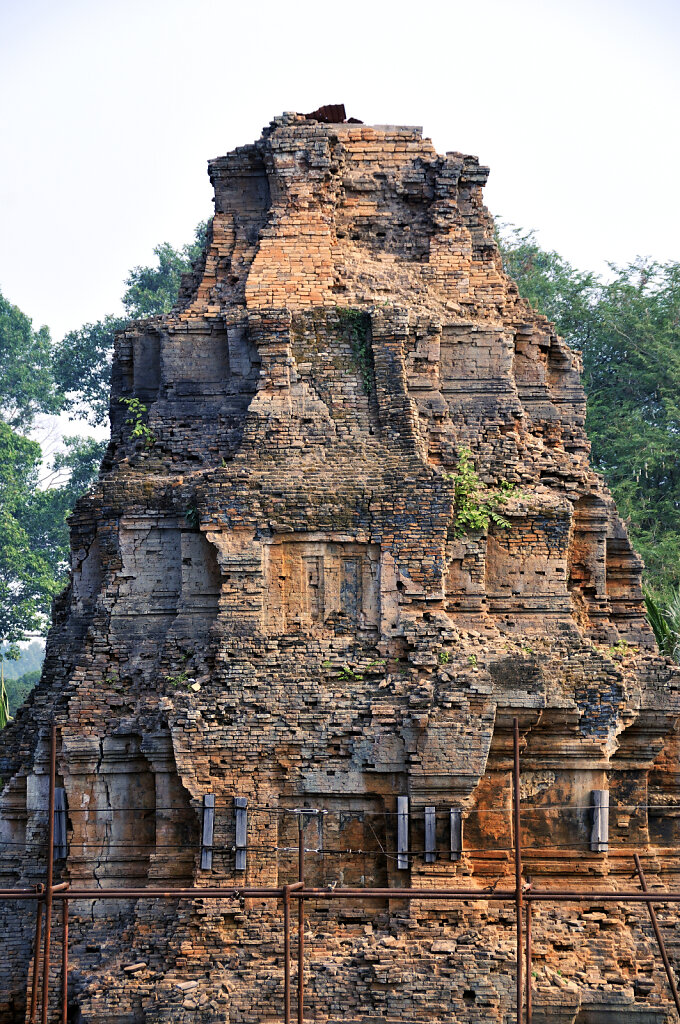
{"x":111,"y":109}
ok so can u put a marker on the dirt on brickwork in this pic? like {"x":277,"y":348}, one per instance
{"x":358,"y":535}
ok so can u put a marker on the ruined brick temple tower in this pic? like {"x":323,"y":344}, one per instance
{"x":275,"y":604}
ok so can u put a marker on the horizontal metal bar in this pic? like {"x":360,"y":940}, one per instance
{"x":179,"y":894}
{"x":557,"y":896}
{"x":22,"y":894}
{"x":400,"y":894}
{"x":297,"y":891}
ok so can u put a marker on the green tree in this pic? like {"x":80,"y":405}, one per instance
{"x":82,"y":368}
{"x":550,"y":283}
{"x":46,"y":512}
{"x":628,"y":329}
{"x":4,"y":699}
{"x":153,"y":290}
{"x":27,"y":579}
{"x":82,"y":360}
{"x":18,"y":689}
{"x":27,"y":385}
{"x":665,"y":622}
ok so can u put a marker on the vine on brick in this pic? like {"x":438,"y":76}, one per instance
{"x":357,"y":326}
{"x":135,"y":419}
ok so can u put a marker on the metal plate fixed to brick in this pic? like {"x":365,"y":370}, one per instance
{"x":430,"y":835}
{"x":240,"y":805}
{"x":456,"y":825}
{"x":599,"y":836}
{"x":208,"y":829}
{"x":59,"y":823}
{"x":402,"y":833}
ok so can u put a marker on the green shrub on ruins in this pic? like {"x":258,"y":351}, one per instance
{"x":135,"y":420}
{"x":475,"y":505}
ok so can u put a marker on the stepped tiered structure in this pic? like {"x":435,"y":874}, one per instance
{"x":276,"y":599}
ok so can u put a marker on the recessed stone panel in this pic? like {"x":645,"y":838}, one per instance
{"x":321,"y":584}
{"x":151,"y":576}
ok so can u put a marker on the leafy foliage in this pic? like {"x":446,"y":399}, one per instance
{"x":82,"y":368}
{"x":27,"y":385}
{"x":153,"y":290}
{"x":476,"y":506}
{"x":628,"y":328}
{"x":665,"y":621}
{"x":18,"y":690}
{"x":5,"y":716}
{"x":30,"y":659}
{"x":357,"y":326}
{"x":82,"y":360}
{"x":76,"y":469}
{"x":74,"y":375}
{"x":139,"y":429}
{"x":27,"y":581}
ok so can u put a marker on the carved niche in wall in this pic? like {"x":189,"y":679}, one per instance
{"x":316,"y":582}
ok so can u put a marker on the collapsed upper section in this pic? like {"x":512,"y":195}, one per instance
{"x":327,"y":214}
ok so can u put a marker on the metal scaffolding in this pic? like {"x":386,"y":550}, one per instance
{"x":523,"y":895}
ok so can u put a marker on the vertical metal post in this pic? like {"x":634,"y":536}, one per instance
{"x":659,"y":937}
{"x":286,"y":954}
{"x":528,"y":911}
{"x":64,"y":960}
{"x":36,"y":962}
{"x":50,"y":876}
{"x":518,"y":869}
{"x":301,"y":922}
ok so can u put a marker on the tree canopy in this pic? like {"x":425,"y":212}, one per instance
{"x":82,"y":360}
{"x":627,"y":326}
{"x":27,"y":384}
{"x":41,"y":377}
{"x":27,"y":579}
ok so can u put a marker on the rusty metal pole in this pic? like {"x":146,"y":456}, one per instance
{"x":64,"y":961}
{"x":301,"y":922}
{"x":36,"y":962}
{"x":286,"y":954}
{"x":659,"y":937}
{"x":50,"y":867}
{"x":528,"y":911}
{"x":287,"y":889}
{"x":518,"y":869}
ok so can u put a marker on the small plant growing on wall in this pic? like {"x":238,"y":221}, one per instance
{"x":357,"y":326}
{"x":192,"y":517}
{"x":139,"y":429}
{"x":476,"y":506}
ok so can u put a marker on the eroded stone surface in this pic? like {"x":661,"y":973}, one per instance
{"x":273,"y":602}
